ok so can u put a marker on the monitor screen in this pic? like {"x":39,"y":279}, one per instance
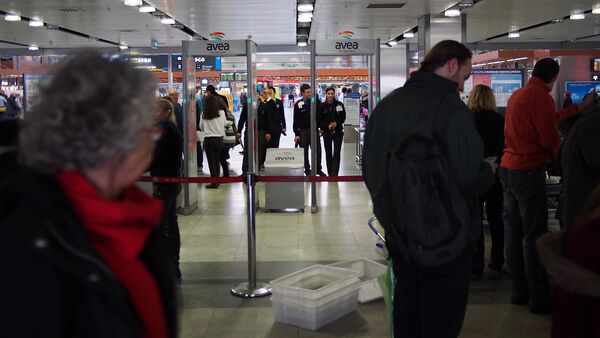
{"x":595,"y":65}
{"x":579,"y":89}
{"x":503,"y":81}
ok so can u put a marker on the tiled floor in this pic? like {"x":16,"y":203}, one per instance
{"x":214,"y":255}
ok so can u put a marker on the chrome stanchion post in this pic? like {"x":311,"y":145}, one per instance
{"x":314,"y":136}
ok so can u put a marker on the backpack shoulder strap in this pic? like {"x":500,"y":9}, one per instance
{"x":425,"y":124}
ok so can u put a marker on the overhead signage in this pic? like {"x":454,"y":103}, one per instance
{"x":203,"y":63}
{"x":155,"y":63}
{"x":346,"y":47}
{"x":219,"y":48}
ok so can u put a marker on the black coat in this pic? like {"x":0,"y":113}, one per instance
{"x":167,"y":153}
{"x":490,"y":126}
{"x":54,"y":284}
{"x":580,"y":164}
{"x":328,"y":113}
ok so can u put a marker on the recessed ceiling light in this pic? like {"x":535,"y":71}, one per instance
{"x":302,"y":44}
{"x":452,"y":12}
{"x":408,"y":35}
{"x":147,"y":9}
{"x":514,"y":35}
{"x":393,"y":43}
{"x":123,"y":47}
{"x":577,"y":16}
{"x":34,"y":48}
{"x":305,"y":8}
{"x":168,"y":21}
{"x":36,"y":23}
{"x":133,"y":2}
{"x":12,"y":17}
{"x":596,"y":10}
{"x":305,"y":17}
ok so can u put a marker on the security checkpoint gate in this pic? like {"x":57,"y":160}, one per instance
{"x":370,"y":48}
{"x":226,"y":48}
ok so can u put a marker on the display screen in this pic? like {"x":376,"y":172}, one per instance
{"x":203,"y":63}
{"x":155,"y":63}
{"x":595,"y":65}
{"x":227,"y":76}
{"x":579,"y":89}
{"x":504,"y":82}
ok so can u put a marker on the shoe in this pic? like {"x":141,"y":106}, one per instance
{"x":519,"y":300}
{"x":541,"y":309}
{"x":212,"y":186}
{"x":321,"y":173}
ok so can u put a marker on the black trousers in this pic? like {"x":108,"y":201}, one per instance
{"x":494,"y":209}
{"x":275,"y":137}
{"x":305,"y":143}
{"x":212,"y":147}
{"x":526,"y":210}
{"x":430,"y":302}
{"x":261,"y":151}
{"x":169,"y":227}
{"x":223,"y":157}
{"x":333,"y":149}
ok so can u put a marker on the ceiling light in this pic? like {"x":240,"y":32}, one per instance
{"x":305,"y":8}
{"x":393,"y":43}
{"x":147,"y":9}
{"x":36,"y":23}
{"x":168,"y":21}
{"x":305,"y":17}
{"x":302,"y":44}
{"x":596,"y":10}
{"x":34,"y":48}
{"x":408,"y":35}
{"x":514,"y":35}
{"x":465,"y":3}
{"x":452,"y":12}
{"x":577,"y":16}
{"x":123,"y":47}
{"x":12,"y":17}
{"x":133,"y":2}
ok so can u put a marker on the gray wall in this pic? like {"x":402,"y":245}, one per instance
{"x":393,"y":68}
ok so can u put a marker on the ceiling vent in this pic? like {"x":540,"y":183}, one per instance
{"x":386,"y":6}
{"x":70,"y":9}
{"x":130,"y":30}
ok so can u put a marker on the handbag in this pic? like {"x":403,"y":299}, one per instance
{"x":230,"y":137}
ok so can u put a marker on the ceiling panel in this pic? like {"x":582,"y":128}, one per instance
{"x":333,"y":16}
{"x":106,"y":19}
{"x":493,"y":17}
{"x":20,"y":32}
{"x":269,"y":22}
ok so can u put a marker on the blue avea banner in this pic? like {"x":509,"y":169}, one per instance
{"x":579,"y":89}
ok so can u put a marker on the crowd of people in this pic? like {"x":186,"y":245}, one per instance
{"x":500,"y":162}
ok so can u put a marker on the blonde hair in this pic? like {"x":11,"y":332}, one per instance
{"x":481,"y":98}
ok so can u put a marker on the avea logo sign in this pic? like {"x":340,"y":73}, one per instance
{"x":350,"y":45}
{"x":284,"y":156}
{"x":217,"y":46}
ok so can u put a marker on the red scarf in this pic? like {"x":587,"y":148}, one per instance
{"x":118,"y":229}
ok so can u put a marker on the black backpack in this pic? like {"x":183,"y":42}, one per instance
{"x":430,"y":216}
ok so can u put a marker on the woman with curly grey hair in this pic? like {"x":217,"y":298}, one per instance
{"x":73,"y":219}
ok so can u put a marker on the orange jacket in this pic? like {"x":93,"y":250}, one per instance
{"x":531,"y":139}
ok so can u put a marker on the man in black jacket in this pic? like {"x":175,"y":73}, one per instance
{"x":302,"y":129}
{"x":167,"y":163}
{"x":429,"y":302}
{"x":277,"y":123}
{"x":580,"y":163}
{"x":332,"y":115}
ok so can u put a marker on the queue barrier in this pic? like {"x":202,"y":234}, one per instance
{"x":243,"y":179}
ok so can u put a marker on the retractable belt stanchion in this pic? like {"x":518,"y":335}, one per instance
{"x":314,"y":136}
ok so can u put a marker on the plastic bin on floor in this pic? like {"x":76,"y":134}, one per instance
{"x":368,"y":270}
{"x":284,"y":195}
{"x":315,"y":296}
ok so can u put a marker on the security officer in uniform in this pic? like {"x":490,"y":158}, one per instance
{"x":263,"y":136}
{"x":277,"y":124}
{"x":302,"y":128}
{"x":331,"y":116}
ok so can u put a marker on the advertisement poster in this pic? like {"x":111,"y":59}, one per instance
{"x":504,"y":82}
{"x":31,"y":90}
{"x":579,"y":89}
{"x":352,"y":105}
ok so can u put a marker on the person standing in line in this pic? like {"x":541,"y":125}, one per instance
{"x":265,"y":110}
{"x":277,"y":123}
{"x":167,"y":163}
{"x":199,"y":109}
{"x":221,"y":100}
{"x":531,"y":143}
{"x":429,"y":301}
{"x":490,"y":125}
{"x":213,"y":123}
{"x":291,"y":100}
{"x":303,"y":131}
{"x":174,"y":95}
{"x":331,"y":116}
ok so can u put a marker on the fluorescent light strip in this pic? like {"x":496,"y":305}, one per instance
{"x":36,"y":23}
{"x":408,"y":35}
{"x":302,"y":44}
{"x":577,"y":16}
{"x":305,"y":8}
{"x":393,"y":43}
{"x":168,"y":21}
{"x":514,"y":35}
{"x":133,"y":3}
{"x":34,"y":48}
{"x":452,"y":12}
{"x":12,"y":17}
{"x":596,"y":10}
{"x":147,"y":9}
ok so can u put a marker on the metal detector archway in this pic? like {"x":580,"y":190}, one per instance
{"x":229,"y":48}
{"x":368,"y":47}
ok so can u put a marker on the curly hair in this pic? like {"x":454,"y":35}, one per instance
{"x":93,"y":109}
